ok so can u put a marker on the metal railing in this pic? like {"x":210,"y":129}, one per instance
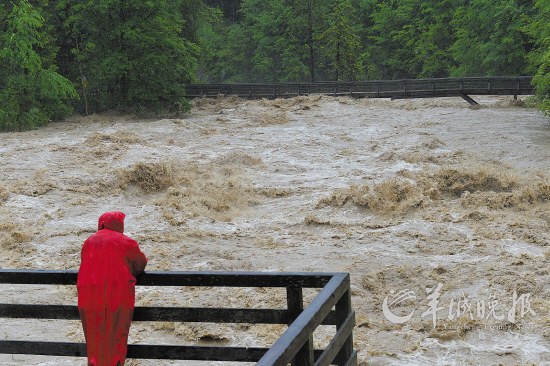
{"x":331,"y":306}
{"x":408,"y":88}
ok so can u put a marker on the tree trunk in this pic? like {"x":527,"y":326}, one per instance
{"x":338,"y":61}
{"x":310,"y":41}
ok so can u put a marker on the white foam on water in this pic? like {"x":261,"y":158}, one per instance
{"x":519,"y":248}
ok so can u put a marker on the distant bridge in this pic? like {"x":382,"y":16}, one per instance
{"x":395,"y":89}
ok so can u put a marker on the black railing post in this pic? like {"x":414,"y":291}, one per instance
{"x":343,"y":309}
{"x":295,"y":303}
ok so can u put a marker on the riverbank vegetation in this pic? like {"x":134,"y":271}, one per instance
{"x":62,"y":56}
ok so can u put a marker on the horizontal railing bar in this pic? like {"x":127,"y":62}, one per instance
{"x":167,"y":314}
{"x":337,"y":342}
{"x":196,"y":353}
{"x":27,"y":311}
{"x":69,"y":349}
{"x":286,"y":347}
{"x":206,"y":279}
{"x":43,"y":348}
{"x":41,"y":277}
{"x":212,"y":315}
{"x":138,"y":351}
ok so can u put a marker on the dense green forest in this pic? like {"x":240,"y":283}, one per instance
{"x":88,"y":56}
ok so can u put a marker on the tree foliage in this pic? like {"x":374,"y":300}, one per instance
{"x":410,"y":39}
{"x":341,"y":43}
{"x":137,"y":55}
{"x":265,"y":39}
{"x":307,"y":22}
{"x":539,"y":28}
{"x":489,"y":38}
{"x":131,"y":53}
{"x":32,"y":92}
{"x":375,"y":39}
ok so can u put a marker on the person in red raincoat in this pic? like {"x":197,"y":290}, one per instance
{"x":110,"y":262}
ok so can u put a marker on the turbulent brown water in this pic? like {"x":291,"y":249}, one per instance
{"x":404,"y":195}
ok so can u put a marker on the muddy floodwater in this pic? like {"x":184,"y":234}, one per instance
{"x":440,"y":212}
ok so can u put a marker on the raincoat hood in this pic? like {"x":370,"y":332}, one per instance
{"x":113,"y":220}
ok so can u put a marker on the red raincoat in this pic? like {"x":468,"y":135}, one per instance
{"x":110,"y":262}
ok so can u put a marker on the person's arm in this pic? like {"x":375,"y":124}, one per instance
{"x":136,"y":259}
